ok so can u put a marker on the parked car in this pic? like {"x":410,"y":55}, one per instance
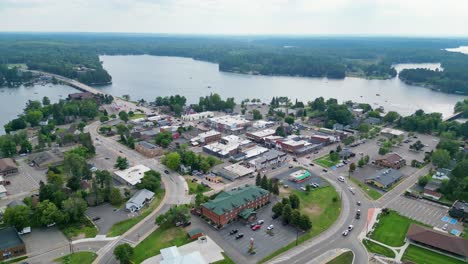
{"x":240,"y":235}
{"x":233,"y":231}
{"x":325,"y":170}
{"x":350,"y":227}
{"x":359,"y":203}
{"x":260,"y":222}
{"x":311,"y":164}
{"x":358,"y":214}
{"x":166,"y":171}
{"x":303,"y":188}
{"x":256,"y":227}
{"x":351,"y":189}
{"x":274,"y":216}
{"x":270,"y":227}
{"x":253,"y":224}
{"x":341,"y":179}
{"x":96,"y":218}
{"x":285,"y":186}
{"x":195,"y":211}
{"x":290,"y":166}
{"x":186,"y":223}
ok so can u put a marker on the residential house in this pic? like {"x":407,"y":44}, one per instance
{"x":442,"y":174}
{"x":139,"y":200}
{"x":431,"y":190}
{"x":45,"y":159}
{"x":391,"y":160}
{"x":8,"y":167}
{"x":232,"y":205}
{"x":384,"y":178}
{"x":459,"y":210}
{"x":148,"y":150}
{"x":11,"y":244}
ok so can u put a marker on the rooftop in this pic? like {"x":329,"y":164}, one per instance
{"x":7,"y":164}
{"x":263,"y":133}
{"x":386,"y":177}
{"x":141,"y":196}
{"x":172,"y":255}
{"x":392,"y":131}
{"x":230,"y":121}
{"x":9,"y":238}
{"x":133,"y":175}
{"x":392,"y":158}
{"x":239,"y":169}
{"x":147,"y":145}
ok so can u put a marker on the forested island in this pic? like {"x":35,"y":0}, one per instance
{"x":77,"y":56}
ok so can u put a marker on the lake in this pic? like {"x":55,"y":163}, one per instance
{"x":147,"y":77}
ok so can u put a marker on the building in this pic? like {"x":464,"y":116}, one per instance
{"x":148,"y":150}
{"x":3,"y":191}
{"x":236,"y":170}
{"x":232,"y":205}
{"x":391,"y":160}
{"x":81,"y":96}
{"x":442,"y":174}
{"x":45,"y":159}
{"x":132,"y":175}
{"x":227,"y":146}
{"x":431,"y":190}
{"x":323,"y":139}
{"x":384,"y":178}
{"x":8,"y":167}
{"x":296,"y":145}
{"x":300,"y":176}
{"x":234,"y":124}
{"x":172,"y":255}
{"x":139,"y":200}
{"x":197,"y":116}
{"x":195,"y":233}
{"x":391,"y":133}
{"x":263,"y":124}
{"x":259,"y":136}
{"x":271,"y":158}
{"x":11,"y":244}
{"x":438,"y":241}
{"x":206,"y":138}
{"x":459,"y":210}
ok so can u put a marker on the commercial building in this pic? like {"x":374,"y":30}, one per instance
{"x":234,"y":124}
{"x":197,"y":116}
{"x":300,"y":176}
{"x":11,"y":244}
{"x":206,"y":138}
{"x":227,"y":146}
{"x":232,"y":205}
{"x":45,"y":159}
{"x":132,"y":175}
{"x":296,"y":145}
{"x":8,"y":167}
{"x":323,"y":139}
{"x":391,"y":133}
{"x":438,"y":241}
{"x":391,"y":160}
{"x":235,"y":171}
{"x":271,"y":158}
{"x":139,"y":200}
{"x":259,"y":136}
{"x":148,"y":150}
{"x":172,"y":255}
{"x":384,"y":178}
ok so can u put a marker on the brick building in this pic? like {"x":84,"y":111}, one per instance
{"x":149,"y":150}
{"x":232,"y":205}
{"x":392,"y":160}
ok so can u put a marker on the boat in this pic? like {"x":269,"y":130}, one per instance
{"x":209,"y":87}
{"x":377,"y":94}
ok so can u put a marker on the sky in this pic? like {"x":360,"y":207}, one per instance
{"x":239,"y":17}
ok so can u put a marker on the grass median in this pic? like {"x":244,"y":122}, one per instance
{"x":373,"y":194}
{"x":195,"y":187}
{"x":83,"y":257}
{"x":421,"y":255}
{"x":345,"y":258}
{"x":123,"y":226}
{"x":325,"y":161}
{"x":378,"y":249}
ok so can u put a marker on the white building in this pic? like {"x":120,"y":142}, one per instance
{"x":197,"y":116}
{"x":172,"y":255}
{"x":132,"y":175}
{"x":229,"y":123}
{"x":139,"y":199}
{"x":390,"y":132}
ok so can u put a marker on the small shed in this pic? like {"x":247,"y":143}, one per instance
{"x":195,"y":233}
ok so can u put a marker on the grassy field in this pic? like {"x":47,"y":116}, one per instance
{"x":321,"y":209}
{"x":136,"y":116}
{"x":161,"y":238}
{"x":391,"y":229}
{"x":376,"y":248}
{"x":373,"y":194}
{"x":83,"y":257}
{"x":345,"y":258}
{"x":85,"y":228}
{"x":195,"y":187}
{"x":325,"y":161}
{"x":423,"y":256}
{"x":226,"y":260}
{"x":121,"y":227}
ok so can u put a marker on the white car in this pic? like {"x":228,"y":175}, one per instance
{"x":345,"y":233}
{"x":303,"y":188}
{"x":270,"y":227}
{"x":351,"y":189}
{"x":350,"y":227}
{"x":341,"y":179}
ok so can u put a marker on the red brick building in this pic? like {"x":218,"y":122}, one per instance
{"x":392,"y":160}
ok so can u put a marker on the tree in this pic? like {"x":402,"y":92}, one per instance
{"x":81,"y":126}
{"x":295,"y":217}
{"x":280,"y":131}
{"x":352,"y":168}
{"x":34,"y":117}
{"x":123,"y":116}
{"x":18,"y":216}
{"x":424,"y":180}
{"x":174,"y":215}
{"x":305,"y":223}
{"x":123,"y":253}
{"x":150,"y":181}
{"x":47,"y":213}
{"x":115,"y":197}
{"x":294,"y":201}
{"x":163,"y":139}
{"x":200,"y":198}
{"x":258,"y":180}
{"x":286,"y":214}
{"x":275,"y":188}
{"x":361,"y":163}
{"x":74,"y":208}
{"x":308,"y":188}
{"x":383,"y":150}
{"x":172,"y":160}
{"x":256,"y":114}
{"x":339,"y":149}
{"x":289,"y":119}
{"x":418,"y":145}
{"x":264,"y":183}
{"x":277,"y":209}
{"x":121,"y":163}
{"x":45,"y":101}
{"x":334,"y":156}
{"x":441,"y":158}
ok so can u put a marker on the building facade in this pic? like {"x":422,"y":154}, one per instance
{"x":148,"y":150}
{"x":392,"y":160}
{"x":8,"y":167}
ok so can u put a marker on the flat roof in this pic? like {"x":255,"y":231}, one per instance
{"x":392,"y":131}
{"x":255,"y":151}
{"x":239,"y":169}
{"x":2,"y":189}
{"x":263,"y":133}
{"x":9,"y":238}
{"x":133,"y":175}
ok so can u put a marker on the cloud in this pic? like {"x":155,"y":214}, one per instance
{"x":382,"y":17}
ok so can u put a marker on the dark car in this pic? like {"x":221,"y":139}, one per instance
{"x":233,"y":231}
{"x":96,"y":218}
{"x":311,"y":164}
{"x":187,"y":223}
{"x":325,"y":170}
{"x":120,"y":151}
{"x":166,"y":171}
{"x":274,"y":216}
{"x":253,"y":224}
{"x":241,"y":235}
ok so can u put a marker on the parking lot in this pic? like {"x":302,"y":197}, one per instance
{"x":285,"y":175}
{"x":425,"y":212}
{"x":108,"y":216}
{"x":42,"y":240}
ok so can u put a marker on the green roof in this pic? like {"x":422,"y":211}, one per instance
{"x":246,"y":212}
{"x":194,"y":231}
{"x":9,"y":238}
{"x":227,"y":201}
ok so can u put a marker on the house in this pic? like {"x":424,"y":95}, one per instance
{"x":195,"y":233}
{"x":3,"y":191}
{"x":259,"y":136}
{"x":438,"y":241}
{"x":372,"y":121}
{"x":139,"y":199}
{"x":132,"y":175}
{"x":430,"y":190}
{"x":391,"y":133}
{"x":11,"y":244}
{"x":8,"y":167}
{"x":206,"y":138}
{"x":172,"y":255}
{"x":148,"y":150}
{"x":232,"y":205}
{"x":459,"y":210}
{"x":391,"y":160}
{"x":384,"y":178}
{"x":45,"y":159}
{"x":442,"y":174}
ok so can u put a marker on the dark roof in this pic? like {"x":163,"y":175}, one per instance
{"x":195,"y":231}
{"x":147,"y":145}
{"x":227,"y":201}
{"x":7,"y":164}
{"x":460,"y":205}
{"x":9,"y":238}
{"x":80,"y":96}
{"x":446,"y":242}
{"x":392,"y":158}
{"x":386,"y":177}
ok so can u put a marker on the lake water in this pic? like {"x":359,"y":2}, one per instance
{"x":151,"y":76}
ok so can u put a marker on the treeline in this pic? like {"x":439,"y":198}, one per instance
{"x":11,"y":76}
{"x":213,"y":102}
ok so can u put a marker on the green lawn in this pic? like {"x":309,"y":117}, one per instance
{"x":160,"y":238}
{"x":195,"y":187}
{"x":83,"y":257}
{"x":14,"y":260}
{"x":325,"y":161}
{"x":136,"y":116}
{"x":376,"y":248}
{"x":321,"y":209}
{"x":226,"y":260}
{"x":423,"y":256}
{"x":345,"y":258}
{"x":84,"y":228}
{"x":373,"y":194}
{"x":121,"y":227}
{"x":391,"y":229}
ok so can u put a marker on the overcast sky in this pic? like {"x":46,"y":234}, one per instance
{"x":310,"y":17}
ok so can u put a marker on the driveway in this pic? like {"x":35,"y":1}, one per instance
{"x":109,"y":216}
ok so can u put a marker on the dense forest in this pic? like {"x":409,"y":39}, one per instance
{"x":76,"y":55}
